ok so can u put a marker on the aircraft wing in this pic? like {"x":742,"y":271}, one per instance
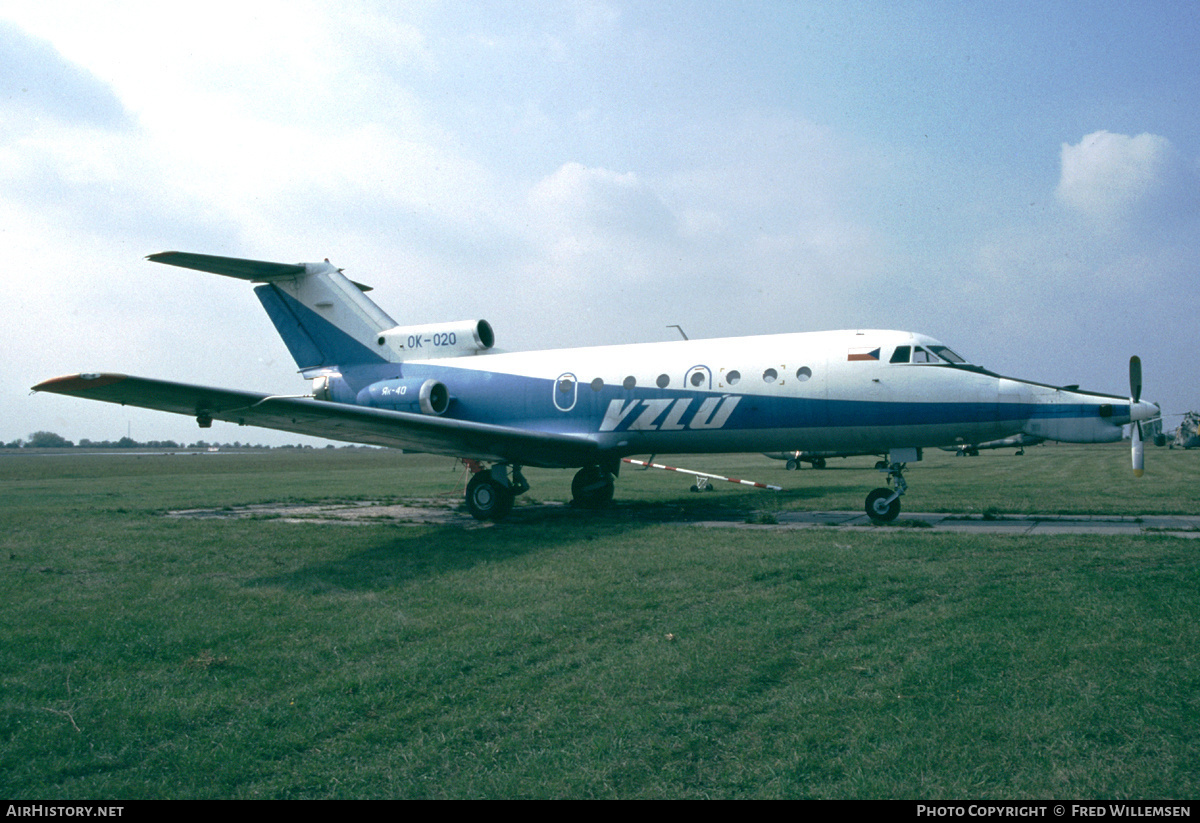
{"x":336,"y":421}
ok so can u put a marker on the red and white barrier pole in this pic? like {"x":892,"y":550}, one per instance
{"x":702,"y":474}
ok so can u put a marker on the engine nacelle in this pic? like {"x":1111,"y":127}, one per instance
{"x":437,"y":340}
{"x":332,"y":387}
{"x":415,"y":395}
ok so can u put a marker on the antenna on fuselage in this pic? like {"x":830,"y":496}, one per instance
{"x":681,"y":331}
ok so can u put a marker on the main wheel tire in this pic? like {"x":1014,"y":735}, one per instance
{"x":487,"y":498}
{"x":879,"y":510}
{"x":592,"y":487}
{"x":819,"y":463}
{"x":792,"y":465}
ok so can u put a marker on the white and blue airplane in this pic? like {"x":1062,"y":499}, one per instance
{"x":440,"y":389}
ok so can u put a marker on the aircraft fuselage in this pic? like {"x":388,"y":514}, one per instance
{"x":816,"y":391}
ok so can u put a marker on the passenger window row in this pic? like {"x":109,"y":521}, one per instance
{"x":697,"y":378}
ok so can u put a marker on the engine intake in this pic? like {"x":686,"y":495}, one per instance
{"x":415,"y":395}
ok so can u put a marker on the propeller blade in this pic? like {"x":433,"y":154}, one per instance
{"x":1139,"y":461}
{"x":1135,"y":432}
{"x":1135,"y":378}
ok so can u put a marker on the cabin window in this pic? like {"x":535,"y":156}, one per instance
{"x":663,"y":381}
{"x":803,"y":373}
{"x":697,"y":378}
{"x":565,"y":385}
{"x":629,"y":382}
{"x":597,"y":384}
{"x":901,"y":354}
{"x":733,"y":377}
{"x":770,"y":376}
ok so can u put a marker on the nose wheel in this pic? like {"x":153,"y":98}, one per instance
{"x":883,"y":505}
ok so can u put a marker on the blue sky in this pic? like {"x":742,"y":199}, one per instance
{"x":1020,"y":180}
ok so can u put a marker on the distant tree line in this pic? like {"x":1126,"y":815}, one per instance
{"x":51,"y":440}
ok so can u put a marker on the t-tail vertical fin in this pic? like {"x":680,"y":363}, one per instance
{"x":327,"y":321}
{"x":324,"y":318}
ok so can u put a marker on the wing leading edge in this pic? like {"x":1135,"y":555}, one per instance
{"x":336,"y":421}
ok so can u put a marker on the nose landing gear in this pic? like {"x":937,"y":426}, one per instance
{"x":883,"y":505}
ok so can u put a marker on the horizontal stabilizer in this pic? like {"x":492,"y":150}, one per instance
{"x":336,"y":421}
{"x":257,"y":271}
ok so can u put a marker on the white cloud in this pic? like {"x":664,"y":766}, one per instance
{"x":1113,"y":176}
{"x":581,"y":205}
{"x":38,"y":84}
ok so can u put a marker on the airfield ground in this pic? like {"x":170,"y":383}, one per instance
{"x":196,"y":626}
{"x":447,"y":512}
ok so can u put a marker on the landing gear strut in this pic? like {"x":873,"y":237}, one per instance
{"x":884,"y":504}
{"x":490,"y":492}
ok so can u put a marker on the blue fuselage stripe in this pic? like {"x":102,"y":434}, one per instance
{"x":668,"y":416}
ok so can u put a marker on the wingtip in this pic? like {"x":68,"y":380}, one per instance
{"x":77,"y":383}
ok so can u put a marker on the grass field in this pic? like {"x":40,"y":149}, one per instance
{"x":592,"y":654}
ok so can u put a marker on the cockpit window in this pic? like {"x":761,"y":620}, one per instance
{"x":947,"y":354}
{"x":928,"y":354}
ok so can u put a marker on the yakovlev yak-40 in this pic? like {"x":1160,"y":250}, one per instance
{"x":436,"y":388}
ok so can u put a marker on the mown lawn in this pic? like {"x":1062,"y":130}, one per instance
{"x":611,"y":654}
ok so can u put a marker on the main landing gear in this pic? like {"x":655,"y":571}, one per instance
{"x":592,"y":487}
{"x":491,"y":492}
{"x":883,"y":505}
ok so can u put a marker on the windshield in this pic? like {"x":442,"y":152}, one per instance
{"x":927,"y":354}
{"x":947,"y":354}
